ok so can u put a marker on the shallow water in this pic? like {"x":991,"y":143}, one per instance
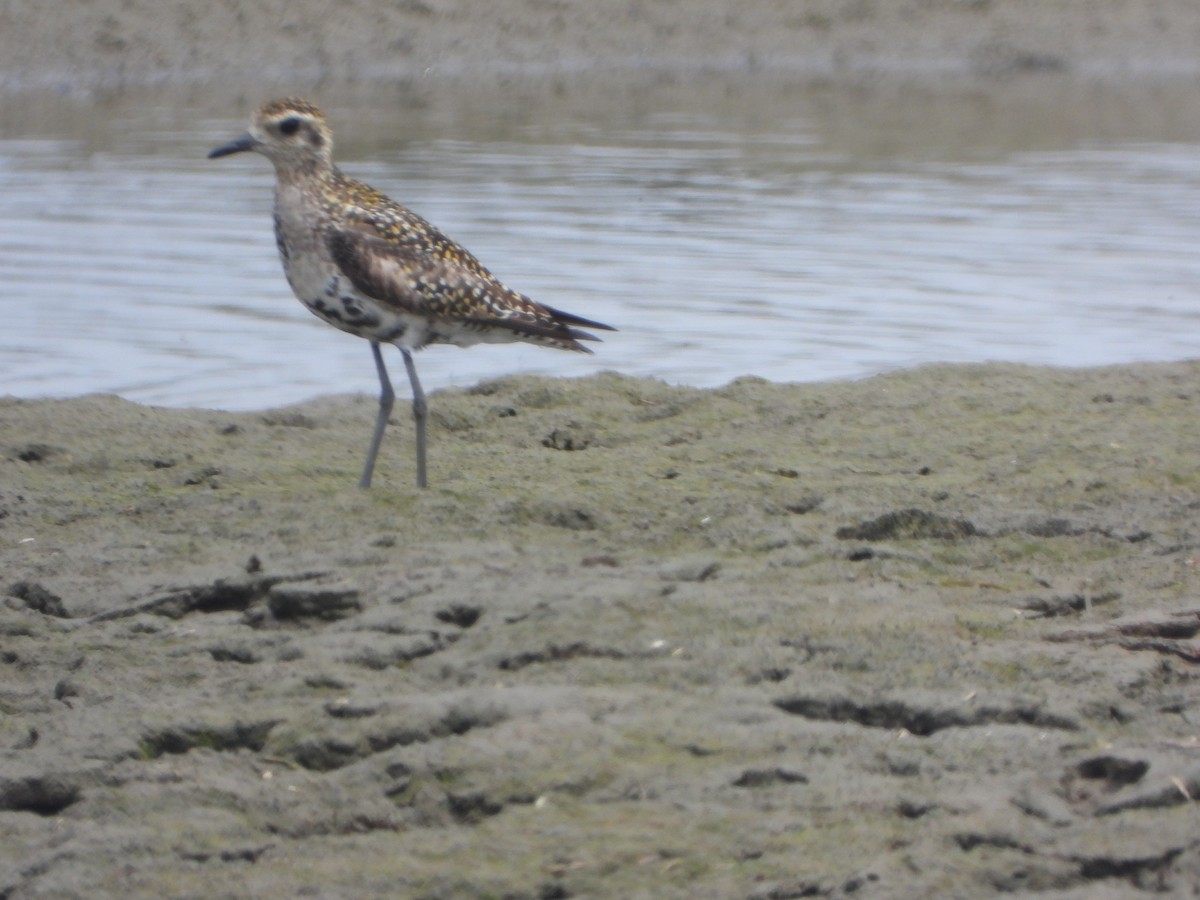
{"x":796,"y":234}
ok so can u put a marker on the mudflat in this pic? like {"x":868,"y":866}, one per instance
{"x":930,"y":632}
{"x":115,"y":44}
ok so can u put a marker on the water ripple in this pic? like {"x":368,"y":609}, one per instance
{"x":151,"y":272}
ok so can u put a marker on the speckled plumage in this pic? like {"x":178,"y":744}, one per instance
{"x":373,"y":268}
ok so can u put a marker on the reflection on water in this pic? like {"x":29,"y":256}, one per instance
{"x":796,"y":241}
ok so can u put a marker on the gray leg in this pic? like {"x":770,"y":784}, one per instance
{"x":420,"y":413}
{"x":386,"y":398}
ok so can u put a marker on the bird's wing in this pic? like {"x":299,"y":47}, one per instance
{"x":443,"y":286}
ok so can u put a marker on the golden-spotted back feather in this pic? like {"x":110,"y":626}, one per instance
{"x":449,"y":289}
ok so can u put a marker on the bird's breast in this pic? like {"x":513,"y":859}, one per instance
{"x":323,"y":288}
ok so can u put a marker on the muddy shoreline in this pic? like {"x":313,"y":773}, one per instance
{"x":112,"y":45}
{"x":927,"y":632}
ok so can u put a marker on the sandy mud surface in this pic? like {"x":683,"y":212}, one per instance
{"x":116,"y":44}
{"x":927,"y":634}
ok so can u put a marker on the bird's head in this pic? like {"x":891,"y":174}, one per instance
{"x":292,"y":133}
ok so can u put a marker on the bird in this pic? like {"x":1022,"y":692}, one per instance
{"x":373,"y":268}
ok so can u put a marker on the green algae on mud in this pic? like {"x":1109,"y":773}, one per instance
{"x":891,"y":636}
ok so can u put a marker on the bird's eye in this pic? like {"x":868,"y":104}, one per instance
{"x":289,"y":126}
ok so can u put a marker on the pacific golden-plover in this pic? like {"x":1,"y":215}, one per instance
{"x":371,"y":267}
